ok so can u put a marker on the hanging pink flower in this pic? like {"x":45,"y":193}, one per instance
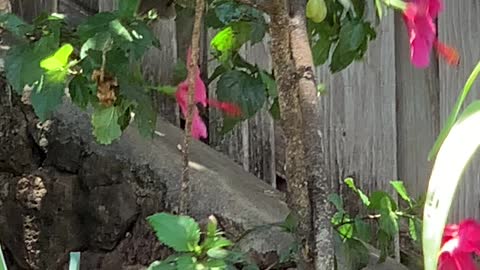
{"x":459,"y":242}
{"x":419,"y":17}
{"x":199,"y":129}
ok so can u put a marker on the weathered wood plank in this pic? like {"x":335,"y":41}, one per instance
{"x":28,"y":9}
{"x":359,"y":116}
{"x":417,"y":114}
{"x":459,"y":26}
{"x":252,"y":142}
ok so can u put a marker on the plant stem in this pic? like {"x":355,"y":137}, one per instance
{"x":185,"y":178}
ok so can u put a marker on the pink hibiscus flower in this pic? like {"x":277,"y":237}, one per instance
{"x":458,"y":244}
{"x":199,"y":129}
{"x":419,"y":17}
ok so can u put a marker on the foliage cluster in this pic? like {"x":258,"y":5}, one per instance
{"x":377,"y":224}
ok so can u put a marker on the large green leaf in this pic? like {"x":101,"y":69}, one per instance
{"x":128,"y":8}
{"x":105,"y":124}
{"x":454,"y":114}
{"x":453,"y":156}
{"x":14,"y":24}
{"x":242,"y":89}
{"x":46,"y":96}
{"x":22,"y":63}
{"x":81,"y":91}
{"x":181,"y":233}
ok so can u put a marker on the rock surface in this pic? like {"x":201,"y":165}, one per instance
{"x":60,"y":191}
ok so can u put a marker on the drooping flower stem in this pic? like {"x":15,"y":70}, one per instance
{"x":193,"y":63}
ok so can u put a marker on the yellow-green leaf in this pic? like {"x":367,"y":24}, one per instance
{"x":58,"y":60}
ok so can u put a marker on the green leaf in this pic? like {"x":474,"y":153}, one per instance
{"x":74,"y":263}
{"x":384,"y":242}
{"x":362,"y":230}
{"x":414,"y":228}
{"x":101,"y":42}
{"x":336,"y":200}
{"x":275,"y":109}
{"x":178,"y":232}
{"x":291,"y":223}
{"x":22,"y":63}
{"x":216,"y":264}
{"x":186,"y":262}
{"x":321,"y":51}
{"x":453,"y":156}
{"x":242,"y":89}
{"x":388,"y":221}
{"x":58,"y":60}
{"x":270,"y":84}
{"x":381,"y":200}
{"x":128,"y":8}
{"x":217,"y":253}
{"x":351,"y":184}
{"x":145,"y":115}
{"x":14,"y":24}
{"x":81,"y":91}
{"x":167,"y":90}
{"x":401,"y":190}
{"x":346,"y":230}
{"x":96,"y":24}
{"x":45,"y":97}
{"x":228,"y":12}
{"x":454,"y":114}
{"x":3,"y":264}
{"x":352,"y":44}
{"x":225,"y":43}
{"x":353,"y":253}
{"x":105,"y":124}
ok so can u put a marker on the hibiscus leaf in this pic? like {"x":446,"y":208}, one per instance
{"x":246,"y":91}
{"x":453,"y":156}
{"x":454,"y":114}
{"x":105,"y":124}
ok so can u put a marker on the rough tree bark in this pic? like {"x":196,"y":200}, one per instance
{"x":308,"y":186}
{"x":192,"y":69}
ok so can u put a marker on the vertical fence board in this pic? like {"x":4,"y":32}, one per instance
{"x":359,"y":116}
{"x":28,"y":9}
{"x":252,"y":142}
{"x":417,"y":114}
{"x":459,"y":26}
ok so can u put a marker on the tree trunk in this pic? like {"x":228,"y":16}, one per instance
{"x":308,"y":186}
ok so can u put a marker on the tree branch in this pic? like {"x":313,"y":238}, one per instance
{"x":185,"y":179}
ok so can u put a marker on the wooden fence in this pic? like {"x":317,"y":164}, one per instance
{"x":380,"y":116}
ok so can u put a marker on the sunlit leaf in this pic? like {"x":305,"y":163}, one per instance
{"x":453,"y":156}
{"x":454,"y":114}
{"x":58,"y":60}
{"x":401,"y":190}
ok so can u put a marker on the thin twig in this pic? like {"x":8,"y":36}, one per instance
{"x":185,"y":180}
